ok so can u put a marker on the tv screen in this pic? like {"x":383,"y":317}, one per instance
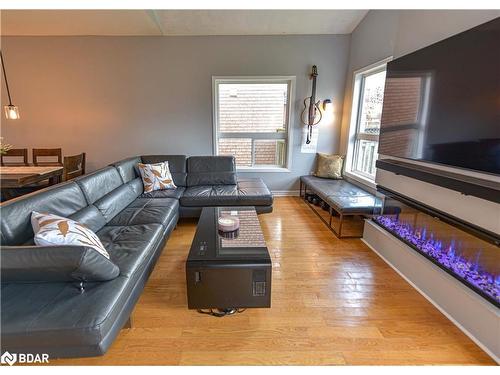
{"x":442,"y":103}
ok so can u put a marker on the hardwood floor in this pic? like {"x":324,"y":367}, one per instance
{"x":333,"y":302}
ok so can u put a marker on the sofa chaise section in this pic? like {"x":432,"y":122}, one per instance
{"x":55,"y":317}
{"x":213,"y":181}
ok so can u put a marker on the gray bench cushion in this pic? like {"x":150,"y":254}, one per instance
{"x":363,"y":204}
{"x":341,"y":194}
{"x":249,"y":192}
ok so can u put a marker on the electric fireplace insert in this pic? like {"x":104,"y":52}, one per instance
{"x":466,"y":252}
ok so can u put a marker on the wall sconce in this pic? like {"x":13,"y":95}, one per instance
{"x":327,"y":105}
{"x":11,"y":111}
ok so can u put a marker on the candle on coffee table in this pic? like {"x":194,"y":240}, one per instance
{"x":228,"y":223}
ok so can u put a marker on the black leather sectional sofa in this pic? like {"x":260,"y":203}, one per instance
{"x":56,"y":317}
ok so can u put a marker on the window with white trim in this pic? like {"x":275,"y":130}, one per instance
{"x":251,"y":120}
{"x":368,"y":96}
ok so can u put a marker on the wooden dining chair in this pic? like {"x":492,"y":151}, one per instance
{"x":17,"y":154}
{"x":40,"y":156}
{"x":74,"y":166}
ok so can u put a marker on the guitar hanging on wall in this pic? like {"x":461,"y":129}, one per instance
{"x":311,"y":114}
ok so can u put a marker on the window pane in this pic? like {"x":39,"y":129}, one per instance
{"x":252,"y":107}
{"x":270,"y":152}
{"x":240,"y":148}
{"x":366,"y":156}
{"x":371,"y":103}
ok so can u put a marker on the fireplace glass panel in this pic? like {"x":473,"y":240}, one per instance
{"x":470,"y":259}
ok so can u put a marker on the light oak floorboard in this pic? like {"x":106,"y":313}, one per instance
{"x":333,"y":302}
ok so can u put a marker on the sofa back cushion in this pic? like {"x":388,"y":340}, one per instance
{"x":106,"y":191}
{"x":115,"y":201}
{"x":127,"y":168}
{"x":99,"y":183}
{"x":91,"y":217}
{"x":63,"y":199}
{"x":176,"y":165}
{"x":211,"y":170}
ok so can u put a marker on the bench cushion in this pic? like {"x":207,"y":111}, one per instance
{"x":343,"y":195}
{"x":362,"y":205}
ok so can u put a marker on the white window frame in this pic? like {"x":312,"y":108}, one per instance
{"x":290,"y":81}
{"x":357,"y":90}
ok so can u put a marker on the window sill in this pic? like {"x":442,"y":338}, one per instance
{"x":362,"y":180}
{"x":262,"y":170}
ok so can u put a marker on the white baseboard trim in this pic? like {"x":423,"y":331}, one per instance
{"x":285,"y":193}
{"x":370,"y":228}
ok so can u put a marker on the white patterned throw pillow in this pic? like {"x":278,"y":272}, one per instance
{"x":156,"y":176}
{"x":53,"y":230}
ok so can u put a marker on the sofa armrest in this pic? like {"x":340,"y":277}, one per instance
{"x":34,"y":264}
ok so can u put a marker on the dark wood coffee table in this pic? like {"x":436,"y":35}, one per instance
{"x":228,"y":272}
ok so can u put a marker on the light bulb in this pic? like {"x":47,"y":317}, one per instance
{"x":12,"y":112}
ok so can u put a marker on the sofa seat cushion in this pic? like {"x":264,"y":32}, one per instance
{"x":249,"y":192}
{"x":147,"y":211}
{"x":167,"y":193}
{"x":129,"y":247}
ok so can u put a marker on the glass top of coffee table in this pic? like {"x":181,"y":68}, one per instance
{"x":246,"y":243}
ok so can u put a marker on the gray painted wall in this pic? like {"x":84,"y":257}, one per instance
{"x":384,"y":33}
{"x":113,"y":97}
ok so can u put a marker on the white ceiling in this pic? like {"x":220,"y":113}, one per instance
{"x":179,"y":22}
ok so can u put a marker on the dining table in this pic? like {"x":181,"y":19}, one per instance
{"x":17,"y":177}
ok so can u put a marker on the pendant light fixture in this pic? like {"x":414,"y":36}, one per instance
{"x":11,"y":111}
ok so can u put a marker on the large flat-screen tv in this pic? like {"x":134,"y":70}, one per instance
{"x":442,"y":102}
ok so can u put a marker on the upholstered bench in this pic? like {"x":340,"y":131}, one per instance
{"x":347,"y":204}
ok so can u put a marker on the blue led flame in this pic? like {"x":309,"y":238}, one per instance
{"x":446,"y":255}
